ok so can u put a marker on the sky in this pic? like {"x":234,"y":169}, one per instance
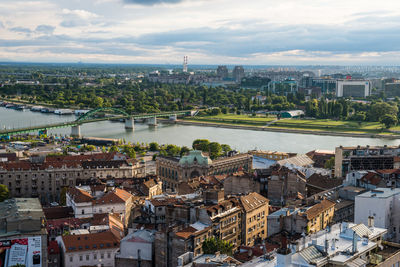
{"x":252,"y":32}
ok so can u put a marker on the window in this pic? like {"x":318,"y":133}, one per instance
{"x":87,"y":257}
{"x":95,"y":256}
{"x":108,"y":255}
{"x":71,"y":258}
{"x":80,"y":257}
{"x":102,"y":255}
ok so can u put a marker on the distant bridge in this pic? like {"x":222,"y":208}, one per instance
{"x":91,"y":116}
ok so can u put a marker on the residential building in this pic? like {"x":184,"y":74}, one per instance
{"x":345,"y":244}
{"x":383,"y":206}
{"x":195,"y":164}
{"x":286,"y":184}
{"x":320,"y":157}
{"x":222,"y":71}
{"x":53,"y":254}
{"x":225,"y":219}
{"x":44,"y":177}
{"x":317,"y":217}
{"x":117,"y":201}
{"x":392,"y":89}
{"x":254,"y":219}
{"x":98,"y":249}
{"x":349,"y":159}
{"x":136,"y":249}
{"x":353,"y":88}
{"x":239,"y":183}
{"x":22,"y":229}
{"x":207,"y":260}
{"x":238,"y":73}
{"x":151,"y":188}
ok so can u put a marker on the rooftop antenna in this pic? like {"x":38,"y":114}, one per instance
{"x":185,"y":64}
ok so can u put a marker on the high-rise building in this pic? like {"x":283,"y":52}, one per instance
{"x":222,"y":71}
{"x":238,"y":73}
{"x":185,"y":64}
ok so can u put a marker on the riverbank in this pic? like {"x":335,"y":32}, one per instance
{"x":281,"y":130}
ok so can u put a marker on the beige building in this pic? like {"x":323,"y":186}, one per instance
{"x":195,"y":164}
{"x":45,"y":177}
{"x":255,"y":209}
{"x":318,"y":217}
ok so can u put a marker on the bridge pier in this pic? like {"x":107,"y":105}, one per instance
{"x":76,"y":131}
{"x":152,"y":121}
{"x":173,"y":117}
{"x":129,"y":123}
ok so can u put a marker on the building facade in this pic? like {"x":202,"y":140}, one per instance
{"x":172,"y":171}
{"x":353,"y":88}
{"x":254,"y":219}
{"x":358,"y":158}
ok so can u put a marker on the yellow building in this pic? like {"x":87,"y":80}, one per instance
{"x":272,"y":155}
{"x":319,"y":216}
{"x":255,"y":209}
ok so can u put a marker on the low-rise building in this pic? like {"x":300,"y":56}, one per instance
{"x":317,"y":217}
{"x":22,"y":232}
{"x":136,"y":249}
{"x":98,"y":249}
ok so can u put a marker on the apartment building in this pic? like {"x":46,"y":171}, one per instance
{"x":97,"y":249}
{"x":44,"y":177}
{"x":254,"y":219}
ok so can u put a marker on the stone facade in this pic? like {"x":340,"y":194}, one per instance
{"x":45,"y":177}
{"x":174,"y":170}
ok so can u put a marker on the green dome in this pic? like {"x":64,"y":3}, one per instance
{"x":195,"y":157}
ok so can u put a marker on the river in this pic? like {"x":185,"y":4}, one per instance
{"x":241,"y":140}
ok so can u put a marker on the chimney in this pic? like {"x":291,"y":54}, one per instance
{"x":371,"y":222}
{"x":354,"y":247}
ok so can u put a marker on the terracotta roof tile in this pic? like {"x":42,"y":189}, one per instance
{"x":253,"y":201}
{"x":186,"y":233}
{"x":79,"y":195}
{"x":319,"y":208}
{"x":87,"y":242}
{"x":116,"y":196}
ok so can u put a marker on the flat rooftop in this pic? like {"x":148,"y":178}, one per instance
{"x":380,"y":193}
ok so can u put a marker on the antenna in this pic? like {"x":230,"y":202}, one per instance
{"x":185,"y":64}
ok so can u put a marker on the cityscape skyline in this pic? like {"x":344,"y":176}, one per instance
{"x":260,"y":33}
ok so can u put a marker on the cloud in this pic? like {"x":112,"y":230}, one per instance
{"x":1,"y":25}
{"x":152,"y":2}
{"x":20,"y":30}
{"x":77,"y":18}
{"x":45,"y":29}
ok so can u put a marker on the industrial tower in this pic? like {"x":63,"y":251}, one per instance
{"x":185,"y":63}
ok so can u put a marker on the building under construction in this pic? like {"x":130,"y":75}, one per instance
{"x":366,"y":158}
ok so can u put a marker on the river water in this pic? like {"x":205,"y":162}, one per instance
{"x":242,"y":140}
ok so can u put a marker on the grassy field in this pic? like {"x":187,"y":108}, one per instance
{"x":298,"y":124}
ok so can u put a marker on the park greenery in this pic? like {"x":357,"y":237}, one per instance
{"x":4,"y":192}
{"x":125,"y":87}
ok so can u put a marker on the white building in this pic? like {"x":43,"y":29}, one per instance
{"x":353,"y":88}
{"x":345,"y":244}
{"x":136,"y":247}
{"x":85,"y":205}
{"x":97,"y":249}
{"x":383,"y":204}
{"x":80,"y":201}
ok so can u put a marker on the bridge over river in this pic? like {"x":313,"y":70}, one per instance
{"x":92,"y":116}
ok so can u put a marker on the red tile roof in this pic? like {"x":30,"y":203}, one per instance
{"x":116,"y":196}
{"x":319,"y":208}
{"x":186,"y":233}
{"x":87,"y":242}
{"x":53,"y":247}
{"x":79,"y":195}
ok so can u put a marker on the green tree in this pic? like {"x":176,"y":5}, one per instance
{"x":201,"y":144}
{"x":388,"y":120}
{"x":215,"y":150}
{"x":330,"y":163}
{"x":377,"y":110}
{"x":153,"y":146}
{"x":4,"y":192}
{"x":212,"y":245}
{"x":63,"y":198}
{"x":113,"y":148}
